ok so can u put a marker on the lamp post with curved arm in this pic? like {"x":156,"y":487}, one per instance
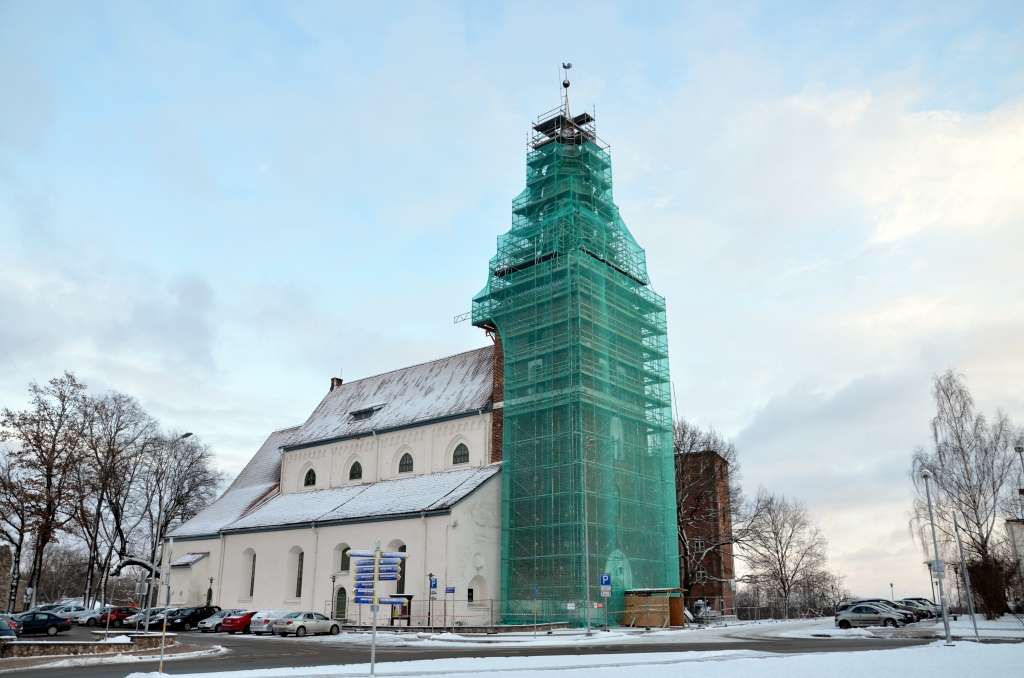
{"x":938,"y":569}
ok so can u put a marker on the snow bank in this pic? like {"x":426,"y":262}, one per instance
{"x":929,"y":661}
{"x":116,"y":639}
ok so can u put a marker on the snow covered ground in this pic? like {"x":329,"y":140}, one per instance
{"x":929,"y":661}
{"x":1006,"y":628}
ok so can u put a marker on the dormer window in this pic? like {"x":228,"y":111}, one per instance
{"x":310,"y":479}
{"x":366,"y":412}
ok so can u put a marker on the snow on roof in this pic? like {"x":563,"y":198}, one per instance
{"x":259,"y":478}
{"x":441,"y":388}
{"x":446,"y":387}
{"x":431,"y":492}
{"x":189,"y":559}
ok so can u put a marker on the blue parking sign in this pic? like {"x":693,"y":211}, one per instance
{"x":606,"y":579}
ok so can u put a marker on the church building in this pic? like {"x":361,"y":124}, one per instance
{"x":521,"y":474}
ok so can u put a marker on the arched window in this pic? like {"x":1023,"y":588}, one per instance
{"x":249,"y":572}
{"x":461,"y":454}
{"x":405,"y":464}
{"x":342,"y":560}
{"x":401,"y":569}
{"x":293,"y":583}
{"x":310,"y":479}
{"x":356,"y":472}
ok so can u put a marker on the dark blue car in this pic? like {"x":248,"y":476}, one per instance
{"x":6,"y":631}
{"x":41,"y":622}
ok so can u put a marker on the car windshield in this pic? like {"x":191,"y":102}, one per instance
{"x":293,"y":615}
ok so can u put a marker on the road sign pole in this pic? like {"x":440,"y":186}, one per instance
{"x":373,"y":640}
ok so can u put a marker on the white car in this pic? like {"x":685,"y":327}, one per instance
{"x":263,"y":621}
{"x":69,"y":612}
{"x":89,"y":617}
{"x":212,"y":624}
{"x":302,"y":623}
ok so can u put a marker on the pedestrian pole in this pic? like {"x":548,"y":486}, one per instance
{"x":373,"y":640}
{"x":967,"y":578}
{"x":939,"y":569}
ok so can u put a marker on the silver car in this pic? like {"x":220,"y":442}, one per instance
{"x":90,"y":617}
{"x":140,"y":617}
{"x":263,"y":621}
{"x":212,"y":624}
{"x":867,"y":614}
{"x":302,"y":623}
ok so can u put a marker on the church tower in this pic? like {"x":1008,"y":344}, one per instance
{"x":588,"y":479}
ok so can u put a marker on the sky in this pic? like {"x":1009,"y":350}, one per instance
{"x":215,"y":207}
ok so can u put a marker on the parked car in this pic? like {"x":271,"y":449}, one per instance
{"x":905,"y":616}
{"x":263,"y":621}
{"x":936,"y":609}
{"x":867,"y":614}
{"x":68,"y":611}
{"x":239,"y":622}
{"x":302,"y":623}
{"x":117,"y":615}
{"x":926,"y":609}
{"x":139,"y":618}
{"x":10,"y":621}
{"x":6,"y":632}
{"x":156,"y":621}
{"x":212,"y":624}
{"x":89,"y":617}
{"x":187,"y":618}
{"x":45,"y":608}
{"x":41,"y":622}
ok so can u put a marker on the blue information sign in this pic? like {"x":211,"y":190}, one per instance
{"x":449,"y":589}
{"x":606,"y":579}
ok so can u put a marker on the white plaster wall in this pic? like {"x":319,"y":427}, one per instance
{"x":189,"y":584}
{"x":431,"y":446}
{"x":455,"y":547}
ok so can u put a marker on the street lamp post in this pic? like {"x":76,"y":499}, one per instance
{"x":926,"y":475}
{"x":163,"y":556}
{"x":334,"y":597}
{"x":892,"y":592}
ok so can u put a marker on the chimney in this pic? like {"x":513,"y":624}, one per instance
{"x":335,"y":382}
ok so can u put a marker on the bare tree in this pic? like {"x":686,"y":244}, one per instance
{"x":48,"y":438}
{"x":178,"y":480}
{"x":972,"y":464}
{"x":117,"y":432}
{"x":15,"y":521}
{"x":783,"y":548}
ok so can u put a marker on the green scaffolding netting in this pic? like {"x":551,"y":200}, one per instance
{"x":587,"y":410}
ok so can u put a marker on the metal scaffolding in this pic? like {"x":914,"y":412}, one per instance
{"x":588,"y":481}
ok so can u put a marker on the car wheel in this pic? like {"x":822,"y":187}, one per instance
{"x":335,"y":630}
{"x":301,"y":631}
{"x":51,"y":631}
{"x":187,"y":627}
{"x":844,"y":624}
{"x":90,"y":622}
{"x":890,"y":623}
{"x":218,"y":628}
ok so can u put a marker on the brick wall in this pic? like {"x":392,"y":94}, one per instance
{"x":497,"y":398}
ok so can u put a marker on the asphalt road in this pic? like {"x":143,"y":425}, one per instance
{"x":250,"y":653}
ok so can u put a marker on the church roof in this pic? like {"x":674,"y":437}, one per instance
{"x":353,"y":503}
{"x":440,"y":389}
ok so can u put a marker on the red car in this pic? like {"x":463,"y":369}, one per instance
{"x":117,"y":616}
{"x":238,"y":623}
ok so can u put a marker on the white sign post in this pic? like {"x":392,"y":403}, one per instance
{"x":373,"y":567}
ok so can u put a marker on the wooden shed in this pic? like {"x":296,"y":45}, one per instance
{"x":653,"y":608}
